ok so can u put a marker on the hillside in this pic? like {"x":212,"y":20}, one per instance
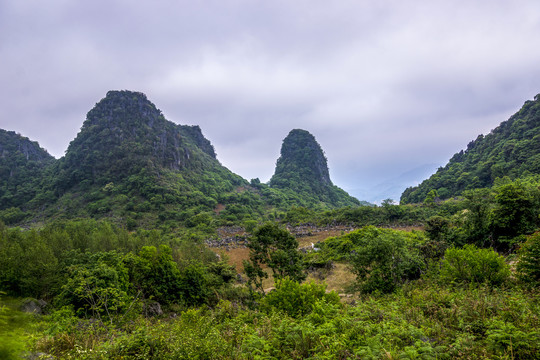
{"x":512,"y":149}
{"x":131,"y":165}
{"x":21,"y":164}
{"x":302,"y":169}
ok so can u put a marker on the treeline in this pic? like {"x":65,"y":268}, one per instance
{"x":100,"y":270}
{"x":495,"y":217}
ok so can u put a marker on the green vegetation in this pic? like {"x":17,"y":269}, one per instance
{"x":276,"y":248}
{"x":298,"y":300}
{"x":528,"y":266}
{"x":99,"y":270}
{"x":21,"y":164}
{"x":111,"y":261}
{"x":473,"y":265}
{"x":114,"y":294}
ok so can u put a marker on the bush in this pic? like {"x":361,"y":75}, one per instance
{"x":384,"y":259}
{"x":98,"y":288}
{"x":12,"y":215}
{"x":194,"y":284}
{"x":154,"y":274}
{"x":474,"y":266}
{"x":297,"y":299}
{"x":528,"y":266}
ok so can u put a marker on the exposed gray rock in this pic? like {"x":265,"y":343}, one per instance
{"x":34,"y":306}
{"x":153,"y":309}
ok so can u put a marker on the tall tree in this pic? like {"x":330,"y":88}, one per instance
{"x":276,"y":248}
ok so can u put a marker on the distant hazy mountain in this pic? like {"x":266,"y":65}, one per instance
{"x":394,"y":187}
{"x":512,"y":149}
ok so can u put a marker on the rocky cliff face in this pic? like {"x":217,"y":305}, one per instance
{"x":124,"y":133}
{"x":13,"y":145}
{"x":302,"y":157}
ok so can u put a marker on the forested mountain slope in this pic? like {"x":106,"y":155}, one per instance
{"x":125,"y":133}
{"x":21,"y":163}
{"x":129,"y":163}
{"x":512,"y":149}
{"x":302,"y":169}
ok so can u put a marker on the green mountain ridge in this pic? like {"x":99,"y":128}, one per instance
{"x":131,"y":165}
{"x":510,"y":150}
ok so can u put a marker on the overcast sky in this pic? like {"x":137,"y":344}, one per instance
{"x":386,"y":87}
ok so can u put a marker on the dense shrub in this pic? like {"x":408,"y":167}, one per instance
{"x":98,"y":288}
{"x":528,"y":266}
{"x":473,"y":265}
{"x":383,"y":259}
{"x":297,"y":299}
{"x":154,"y":274}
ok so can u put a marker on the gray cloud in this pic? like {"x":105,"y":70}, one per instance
{"x":385,"y":86}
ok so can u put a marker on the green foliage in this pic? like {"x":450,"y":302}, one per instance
{"x":516,"y":210}
{"x":420,"y":322}
{"x":297,"y":299}
{"x":495,"y":217}
{"x":276,"y":248}
{"x":505,"y":339}
{"x":22,"y":162}
{"x":387,"y":214}
{"x":194,"y":284}
{"x":471,"y":265}
{"x":154,"y":275}
{"x":97,"y":288}
{"x":437,"y":228}
{"x":477,"y":221}
{"x":431,"y":196}
{"x":28,"y":266}
{"x":383,"y":260}
{"x":71,"y":263}
{"x":528,"y":266}
{"x":12,"y":215}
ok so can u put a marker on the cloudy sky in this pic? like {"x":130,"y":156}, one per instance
{"x":387,"y":87}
